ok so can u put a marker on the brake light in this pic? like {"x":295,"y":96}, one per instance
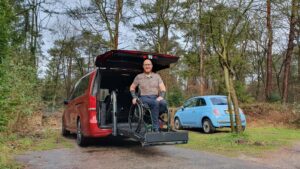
{"x":216,"y":112}
{"x":92,"y":115}
{"x":93,"y":119}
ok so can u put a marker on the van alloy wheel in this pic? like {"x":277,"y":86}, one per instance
{"x":81,"y":140}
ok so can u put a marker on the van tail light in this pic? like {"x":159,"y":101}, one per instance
{"x":216,"y":112}
{"x":92,"y":115}
{"x":93,"y":119}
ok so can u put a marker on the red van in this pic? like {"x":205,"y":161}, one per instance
{"x":100,"y":102}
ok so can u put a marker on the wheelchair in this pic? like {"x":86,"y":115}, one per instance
{"x":140,"y":119}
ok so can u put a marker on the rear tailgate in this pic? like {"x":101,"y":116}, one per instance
{"x":126,"y":59}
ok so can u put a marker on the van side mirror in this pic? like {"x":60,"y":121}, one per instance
{"x":66,"y":102}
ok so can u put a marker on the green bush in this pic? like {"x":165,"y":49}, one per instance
{"x":274,"y":97}
{"x":19,"y":91}
{"x":242,"y":93}
{"x":174,"y":97}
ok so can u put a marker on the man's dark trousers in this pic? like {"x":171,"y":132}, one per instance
{"x":156,"y":107}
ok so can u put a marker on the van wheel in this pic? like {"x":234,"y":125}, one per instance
{"x":207,"y":126}
{"x":81,"y":139}
{"x":177,"y":124}
{"x":64,"y":131}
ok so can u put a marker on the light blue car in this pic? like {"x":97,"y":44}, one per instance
{"x":206,"y":112}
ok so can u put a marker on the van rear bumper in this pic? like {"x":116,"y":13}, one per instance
{"x":95,"y":131}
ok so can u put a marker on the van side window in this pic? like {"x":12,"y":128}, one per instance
{"x":95,"y":84}
{"x":81,"y":87}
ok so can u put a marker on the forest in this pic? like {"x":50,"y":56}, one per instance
{"x":246,"y":48}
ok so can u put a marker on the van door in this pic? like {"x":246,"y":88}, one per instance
{"x":70,"y":109}
{"x":80,"y":102}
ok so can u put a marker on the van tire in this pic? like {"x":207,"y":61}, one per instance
{"x":177,"y":124}
{"x":207,"y":126}
{"x":64,"y":131}
{"x":80,"y":138}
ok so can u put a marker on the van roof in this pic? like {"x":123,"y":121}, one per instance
{"x":130,"y":59}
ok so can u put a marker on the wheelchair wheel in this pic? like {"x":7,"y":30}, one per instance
{"x":135,"y":118}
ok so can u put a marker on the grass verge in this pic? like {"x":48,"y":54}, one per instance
{"x":253,"y":142}
{"x":12,"y":144}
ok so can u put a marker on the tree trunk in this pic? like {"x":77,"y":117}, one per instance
{"x":201,"y":52}
{"x":268,"y":88}
{"x":235,"y":106}
{"x":299,"y":62}
{"x":229,"y":101}
{"x":288,"y":57}
{"x":119,"y":5}
{"x":69,"y":76}
{"x":230,"y":88}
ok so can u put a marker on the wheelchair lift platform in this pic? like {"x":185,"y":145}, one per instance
{"x":153,"y":138}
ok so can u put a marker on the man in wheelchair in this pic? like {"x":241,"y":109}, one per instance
{"x":152,"y":92}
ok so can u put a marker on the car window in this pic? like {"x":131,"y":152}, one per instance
{"x":201,"y":102}
{"x":190,"y":103}
{"x":218,"y":100}
{"x":95,"y":84}
{"x":81,"y":87}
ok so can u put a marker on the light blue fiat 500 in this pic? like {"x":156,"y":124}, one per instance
{"x":206,"y":112}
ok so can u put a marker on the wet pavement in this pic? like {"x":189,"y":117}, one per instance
{"x":115,"y":153}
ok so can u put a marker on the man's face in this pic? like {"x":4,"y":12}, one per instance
{"x":147,"y":65}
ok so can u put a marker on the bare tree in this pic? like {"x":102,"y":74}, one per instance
{"x":268,"y":88}
{"x":224,"y":38}
{"x":288,"y":56}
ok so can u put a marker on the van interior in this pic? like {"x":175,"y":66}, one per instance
{"x":119,"y":81}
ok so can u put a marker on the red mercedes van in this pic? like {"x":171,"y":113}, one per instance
{"x":80,"y":112}
{"x":100,"y":101}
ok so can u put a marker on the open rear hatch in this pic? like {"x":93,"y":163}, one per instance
{"x":132,"y":61}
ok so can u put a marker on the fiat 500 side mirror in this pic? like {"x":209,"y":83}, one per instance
{"x":66,"y":102}
{"x":182,"y":108}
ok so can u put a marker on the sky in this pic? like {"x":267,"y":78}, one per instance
{"x":55,"y":22}
{"x":127,"y":36}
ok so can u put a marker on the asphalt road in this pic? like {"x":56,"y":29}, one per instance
{"x":126,"y":154}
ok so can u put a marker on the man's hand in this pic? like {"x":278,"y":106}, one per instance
{"x":159,"y":98}
{"x":134,"y":101}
